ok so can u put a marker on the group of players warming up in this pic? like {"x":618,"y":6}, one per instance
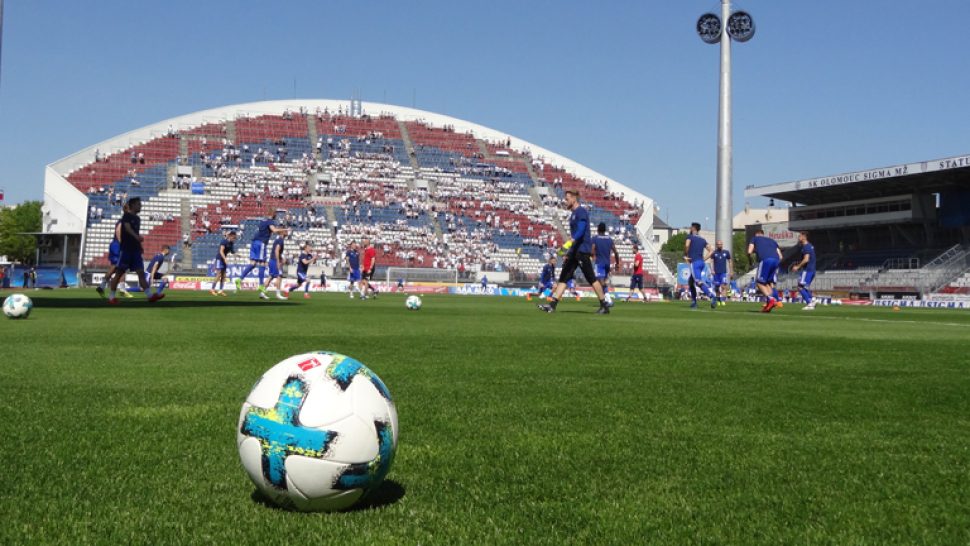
{"x":125,"y":254}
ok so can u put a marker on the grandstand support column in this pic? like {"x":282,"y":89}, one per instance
{"x":725,"y":152}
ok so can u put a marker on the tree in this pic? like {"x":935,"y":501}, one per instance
{"x":24,"y":218}
{"x":740,"y":254}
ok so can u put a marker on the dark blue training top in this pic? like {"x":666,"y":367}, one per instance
{"x":809,"y":250}
{"x":114,"y":234}
{"x":721,"y":258}
{"x":604,"y":245}
{"x":579,"y":229}
{"x":264,"y":232}
{"x":548,"y":273}
{"x":158,"y":259}
{"x":354,"y":257}
{"x":697,"y":246}
{"x":765,"y":247}
{"x":302,"y":267}
{"x":229,"y":248}
{"x":277,"y":243}
{"x":128,"y":242}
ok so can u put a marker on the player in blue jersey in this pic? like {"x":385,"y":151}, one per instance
{"x":353,"y":267}
{"x":546,"y":280}
{"x":275,"y":260}
{"x":769,"y":256}
{"x":400,"y":284}
{"x":723,"y":272}
{"x":226,"y":247}
{"x":807,"y":265}
{"x":154,"y":270}
{"x":602,"y":247}
{"x":576,"y":252}
{"x":484,"y":282}
{"x":302,"y":267}
{"x":129,"y":258}
{"x":113,"y":250}
{"x":257,"y":249}
{"x":696,"y":251}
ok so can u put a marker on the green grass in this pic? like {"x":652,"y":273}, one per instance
{"x":656,"y":424}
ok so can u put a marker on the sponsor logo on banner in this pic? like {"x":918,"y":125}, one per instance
{"x":929,"y":304}
{"x":948,"y":297}
{"x":184,"y":285}
{"x":779,"y":233}
{"x":191,"y":279}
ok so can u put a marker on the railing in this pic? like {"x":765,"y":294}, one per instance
{"x":900,"y":263}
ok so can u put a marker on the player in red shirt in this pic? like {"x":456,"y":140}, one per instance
{"x":636,"y":280}
{"x":370,"y":264}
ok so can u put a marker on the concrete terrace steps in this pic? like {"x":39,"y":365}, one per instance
{"x":408,"y":146}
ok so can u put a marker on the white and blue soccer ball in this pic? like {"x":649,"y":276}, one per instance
{"x":413,"y":303}
{"x":318,"y":432}
{"x":17,"y":306}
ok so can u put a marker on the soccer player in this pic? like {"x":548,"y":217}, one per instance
{"x":697,"y":250}
{"x":576,"y":250}
{"x":723,"y":272}
{"x":302,"y":266}
{"x":370,"y":265}
{"x":275,"y":259}
{"x":222,"y":259}
{"x":113,"y":250}
{"x":636,"y":279}
{"x":257,"y":250}
{"x":769,"y":256}
{"x":154,"y":271}
{"x":484,"y":282}
{"x":602,"y":246}
{"x":400,"y":284}
{"x":129,"y":257}
{"x":545,"y":280}
{"x":353,"y":265}
{"x":808,"y":264}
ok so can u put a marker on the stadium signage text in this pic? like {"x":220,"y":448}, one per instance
{"x":958,"y":162}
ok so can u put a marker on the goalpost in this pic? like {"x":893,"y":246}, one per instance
{"x":422,"y":274}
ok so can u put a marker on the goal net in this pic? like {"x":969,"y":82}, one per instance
{"x":422,"y":274}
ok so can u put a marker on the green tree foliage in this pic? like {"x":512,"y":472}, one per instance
{"x":740,"y":254}
{"x":24,"y":218}
{"x":672,"y":253}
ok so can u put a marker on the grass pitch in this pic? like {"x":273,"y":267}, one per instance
{"x":655,"y":424}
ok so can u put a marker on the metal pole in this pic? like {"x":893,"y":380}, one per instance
{"x":725,"y":210}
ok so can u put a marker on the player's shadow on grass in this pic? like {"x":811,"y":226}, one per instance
{"x":140,"y":301}
{"x":386,"y":494}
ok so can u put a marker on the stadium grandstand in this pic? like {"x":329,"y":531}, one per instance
{"x":894,"y":232}
{"x":430,"y":190}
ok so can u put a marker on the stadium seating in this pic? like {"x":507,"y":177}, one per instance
{"x":424,"y":206}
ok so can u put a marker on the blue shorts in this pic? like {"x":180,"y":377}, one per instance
{"x":158,"y":277}
{"x":636,"y":281}
{"x":300,"y":277}
{"x":806,"y":279}
{"x":130,"y":261}
{"x":354,"y":275}
{"x":274,"y":268}
{"x":697,"y":272}
{"x":221,"y":265}
{"x":720,"y":278}
{"x":257,"y":251}
{"x":547,"y":285}
{"x":602,"y":271}
{"x":767,"y":271}
{"x":114,"y":249}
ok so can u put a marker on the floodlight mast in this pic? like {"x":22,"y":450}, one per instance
{"x":723,"y":229}
{"x":740,"y":28}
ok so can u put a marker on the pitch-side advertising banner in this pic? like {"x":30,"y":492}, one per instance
{"x":779,"y":233}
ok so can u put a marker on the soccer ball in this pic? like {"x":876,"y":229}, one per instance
{"x":17,"y":306}
{"x":413,"y":303}
{"x":318,"y":432}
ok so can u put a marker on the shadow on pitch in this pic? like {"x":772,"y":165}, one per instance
{"x":140,"y":301}
{"x":386,"y":494}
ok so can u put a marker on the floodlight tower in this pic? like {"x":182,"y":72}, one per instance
{"x":739,"y":27}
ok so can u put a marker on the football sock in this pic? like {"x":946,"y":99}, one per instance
{"x":104,"y":283}
{"x":306,"y":288}
{"x":262,"y":275}
{"x":247,"y":271}
{"x":148,"y":292}
{"x":113,"y":294}
{"x":774,"y":293}
{"x":221,"y":284}
{"x":161,"y":287}
{"x":707,"y":291}
{"x":554,"y":302}
{"x":806,"y":295}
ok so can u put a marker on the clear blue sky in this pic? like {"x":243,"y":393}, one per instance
{"x":626,"y":88}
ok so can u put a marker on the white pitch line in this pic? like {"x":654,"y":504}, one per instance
{"x":857,"y":319}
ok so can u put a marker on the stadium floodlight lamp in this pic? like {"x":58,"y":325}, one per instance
{"x":709,"y":28}
{"x":740,"y":26}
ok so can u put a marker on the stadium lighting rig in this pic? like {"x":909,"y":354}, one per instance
{"x":737,"y":26}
